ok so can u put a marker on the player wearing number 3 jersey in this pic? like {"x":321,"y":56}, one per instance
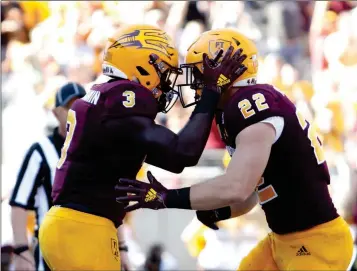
{"x":111,"y":132}
{"x":277,"y":159}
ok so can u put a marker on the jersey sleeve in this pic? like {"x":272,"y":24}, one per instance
{"x":251,"y":106}
{"x":129,"y":99}
{"x":278,"y":124}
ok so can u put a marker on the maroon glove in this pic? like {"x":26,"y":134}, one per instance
{"x":147,"y":195}
{"x":223,"y":74}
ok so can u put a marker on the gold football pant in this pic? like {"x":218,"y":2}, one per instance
{"x":328,"y":246}
{"x":73,"y":240}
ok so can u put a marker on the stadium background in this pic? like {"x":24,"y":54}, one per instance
{"x":307,"y":49}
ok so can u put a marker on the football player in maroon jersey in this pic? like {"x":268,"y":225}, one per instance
{"x":277,"y":159}
{"x":111,"y":131}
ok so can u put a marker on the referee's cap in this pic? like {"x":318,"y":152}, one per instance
{"x":68,"y":92}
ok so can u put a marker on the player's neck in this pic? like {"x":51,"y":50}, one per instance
{"x":226,"y":97}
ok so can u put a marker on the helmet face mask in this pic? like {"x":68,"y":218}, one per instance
{"x":164,"y":91}
{"x":168,"y":95}
{"x":194,"y":81}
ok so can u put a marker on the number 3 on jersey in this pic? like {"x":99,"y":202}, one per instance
{"x":71,"y":125}
{"x":314,"y":139}
{"x":130,"y":98}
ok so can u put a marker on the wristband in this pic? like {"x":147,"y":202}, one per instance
{"x":223,"y":213}
{"x":208,"y":102}
{"x":178,"y":198}
{"x":123,"y":248}
{"x":20,"y":249}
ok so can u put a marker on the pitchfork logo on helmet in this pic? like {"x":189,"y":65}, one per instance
{"x":147,"y":55}
{"x":154,"y":39}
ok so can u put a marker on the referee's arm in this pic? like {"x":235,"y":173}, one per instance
{"x":23,"y":196}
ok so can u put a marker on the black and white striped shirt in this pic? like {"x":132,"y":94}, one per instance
{"x":34,"y":182}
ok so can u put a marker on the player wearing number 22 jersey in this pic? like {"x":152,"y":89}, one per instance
{"x":277,"y":159}
{"x":111,"y":132}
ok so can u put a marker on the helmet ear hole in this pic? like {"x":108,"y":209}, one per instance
{"x":142,"y":71}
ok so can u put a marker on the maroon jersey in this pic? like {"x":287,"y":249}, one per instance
{"x":293,"y":190}
{"x":93,"y":158}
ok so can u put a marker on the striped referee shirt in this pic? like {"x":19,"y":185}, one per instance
{"x":35,"y":178}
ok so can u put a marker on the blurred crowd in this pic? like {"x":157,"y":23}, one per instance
{"x":307,"y":49}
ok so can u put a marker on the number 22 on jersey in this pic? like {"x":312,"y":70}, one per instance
{"x":71,"y":125}
{"x":314,"y":139}
{"x":246,"y":107}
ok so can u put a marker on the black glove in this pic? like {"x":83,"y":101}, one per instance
{"x":221,"y":75}
{"x":209,"y":218}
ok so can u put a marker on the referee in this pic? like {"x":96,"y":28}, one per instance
{"x":34,"y":182}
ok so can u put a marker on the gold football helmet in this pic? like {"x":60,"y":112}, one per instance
{"x":147,"y":55}
{"x":211,"y":42}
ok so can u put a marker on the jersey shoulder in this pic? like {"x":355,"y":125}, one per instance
{"x":123,"y":98}
{"x":253,"y":104}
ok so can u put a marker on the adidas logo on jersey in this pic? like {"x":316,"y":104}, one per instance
{"x":303,"y":252}
{"x":222,"y":80}
{"x":151,"y":195}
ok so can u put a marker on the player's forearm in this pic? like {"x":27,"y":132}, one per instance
{"x":245,"y":169}
{"x":225,"y":190}
{"x":173,"y":152}
{"x":245,"y":207}
{"x":224,"y":213}
{"x":19,"y":225}
{"x":192,"y":139}
{"x":212,"y":194}
{"x":120,"y":234}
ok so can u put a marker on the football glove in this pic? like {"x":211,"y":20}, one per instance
{"x":208,"y":218}
{"x":221,"y":75}
{"x":146,"y":195}
{"x":211,"y":217}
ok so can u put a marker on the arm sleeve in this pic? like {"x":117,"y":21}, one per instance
{"x":28,"y":179}
{"x":164,"y":148}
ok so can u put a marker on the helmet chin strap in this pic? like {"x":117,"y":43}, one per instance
{"x":156,"y":92}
